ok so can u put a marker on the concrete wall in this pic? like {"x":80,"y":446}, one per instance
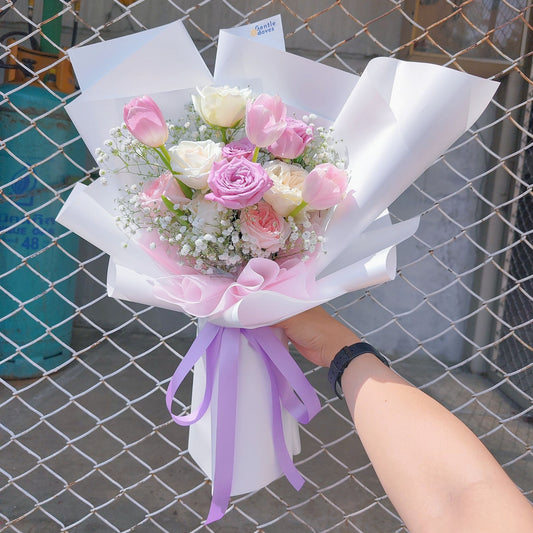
{"x":107,"y":19}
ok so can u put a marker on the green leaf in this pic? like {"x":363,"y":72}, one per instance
{"x":170,"y":206}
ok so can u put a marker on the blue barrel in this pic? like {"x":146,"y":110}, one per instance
{"x":37,"y":282}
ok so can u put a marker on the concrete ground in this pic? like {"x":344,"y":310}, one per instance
{"x":91,"y":449}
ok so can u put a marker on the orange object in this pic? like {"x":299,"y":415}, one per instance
{"x":59,"y":76}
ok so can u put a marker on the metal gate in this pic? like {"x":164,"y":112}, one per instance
{"x":85,"y":440}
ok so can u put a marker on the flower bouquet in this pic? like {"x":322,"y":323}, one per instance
{"x":241,"y":181}
{"x":246,"y":198}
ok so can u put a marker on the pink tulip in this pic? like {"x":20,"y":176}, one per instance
{"x":265,"y":120}
{"x":145,"y":121}
{"x":324,"y":186}
{"x":167,"y":186}
{"x":293,"y":140}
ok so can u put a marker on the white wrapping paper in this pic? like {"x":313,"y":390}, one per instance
{"x":394,"y":122}
{"x":256,"y":464}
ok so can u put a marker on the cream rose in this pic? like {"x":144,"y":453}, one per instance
{"x":221,"y":106}
{"x":286,"y":192}
{"x":193,"y":160}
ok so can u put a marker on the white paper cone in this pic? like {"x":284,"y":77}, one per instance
{"x":255,"y":464}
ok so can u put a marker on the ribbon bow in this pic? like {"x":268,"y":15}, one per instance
{"x":288,"y":385}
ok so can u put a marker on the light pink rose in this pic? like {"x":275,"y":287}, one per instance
{"x":237,"y":183}
{"x":167,"y":186}
{"x":324,"y":186}
{"x":264,"y":227}
{"x":243,"y":148}
{"x":145,"y":121}
{"x":265,"y":120}
{"x":293,"y":140}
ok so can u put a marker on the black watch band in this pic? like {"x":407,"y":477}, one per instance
{"x":344,"y":358}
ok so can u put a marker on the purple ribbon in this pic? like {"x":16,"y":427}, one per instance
{"x":288,"y":385}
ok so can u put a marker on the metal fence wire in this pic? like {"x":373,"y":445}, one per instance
{"x":86,"y":443}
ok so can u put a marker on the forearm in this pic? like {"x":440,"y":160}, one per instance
{"x":436,"y":472}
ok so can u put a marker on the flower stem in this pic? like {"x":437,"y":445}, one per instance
{"x":163,"y":154}
{"x":224,"y":132}
{"x":297,"y":209}
{"x":255,"y":154}
{"x":164,"y":151}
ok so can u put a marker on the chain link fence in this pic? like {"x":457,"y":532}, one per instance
{"x":86,"y":443}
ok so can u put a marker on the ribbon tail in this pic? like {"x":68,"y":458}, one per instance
{"x":291,"y":378}
{"x":208,"y":342}
{"x":226,"y":421}
{"x":280,"y":446}
{"x":261,"y":340}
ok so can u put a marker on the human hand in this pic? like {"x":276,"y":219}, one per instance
{"x":317,"y":335}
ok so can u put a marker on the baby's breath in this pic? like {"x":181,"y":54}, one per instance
{"x":323,"y":148}
{"x":211,"y":244}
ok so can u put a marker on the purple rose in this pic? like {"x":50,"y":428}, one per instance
{"x":241,"y":148}
{"x":237,"y":183}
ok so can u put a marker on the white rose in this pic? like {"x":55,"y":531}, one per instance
{"x":286,"y":193}
{"x":207,"y":214}
{"x":194,"y":161}
{"x":221,"y":106}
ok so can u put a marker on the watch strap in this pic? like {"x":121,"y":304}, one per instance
{"x":344,"y":357}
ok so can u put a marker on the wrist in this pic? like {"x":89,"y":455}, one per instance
{"x":335,"y":341}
